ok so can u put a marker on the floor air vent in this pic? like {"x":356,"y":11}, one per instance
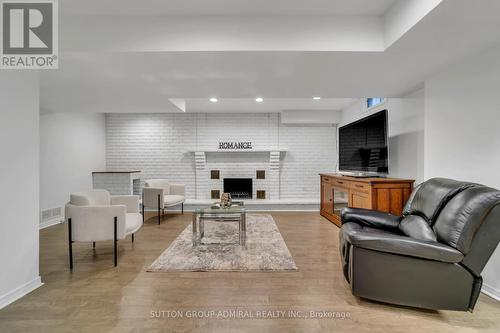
{"x":51,"y":216}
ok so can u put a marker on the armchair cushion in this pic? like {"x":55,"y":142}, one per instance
{"x":133,"y":222}
{"x":158,"y":183}
{"x":90,"y":198}
{"x":417,"y":227}
{"x":370,"y":218}
{"x":430,"y":197}
{"x":172,"y":200}
{"x":464,"y":215}
{"x":170,"y":194}
{"x":95,"y":223}
{"x":177,"y":189}
{"x":150,"y":196}
{"x":130,"y":201}
{"x":401,"y":245}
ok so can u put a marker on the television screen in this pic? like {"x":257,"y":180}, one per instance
{"x":363,"y":145}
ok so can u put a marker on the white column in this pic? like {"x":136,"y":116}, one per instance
{"x":20,"y":215}
{"x":201,"y":183}
{"x":274,"y":175}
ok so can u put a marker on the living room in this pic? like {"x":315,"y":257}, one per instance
{"x":351,"y":147}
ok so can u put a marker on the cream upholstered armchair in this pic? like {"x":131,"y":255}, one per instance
{"x":159,"y":194}
{"x":96,"y":216}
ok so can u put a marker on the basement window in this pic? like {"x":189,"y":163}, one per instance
{"x":374,"y":101}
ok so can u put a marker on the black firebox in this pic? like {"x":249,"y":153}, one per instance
{"x":240,"y":188}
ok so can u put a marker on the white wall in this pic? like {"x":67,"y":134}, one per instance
{"x":406,"y":132}
{"x":19,"y":176}
{"x":302,"y":117}
{"x":72,"y":145}
{"x":462,"y":131}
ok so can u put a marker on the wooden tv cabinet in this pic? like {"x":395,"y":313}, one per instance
{"x":382,"y":194}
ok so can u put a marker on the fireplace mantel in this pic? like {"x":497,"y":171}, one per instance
{"x":281,"y":150}
{"x":200,"y":157}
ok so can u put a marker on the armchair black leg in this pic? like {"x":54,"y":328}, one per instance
{"x":159,"y":216}
{"x":93,"y":245}
{"x":115,"y":240}
{"x":132,"y":238}
{"x":70,"y":245}
{"x":143,"y":208}
{"x":182,"y":208}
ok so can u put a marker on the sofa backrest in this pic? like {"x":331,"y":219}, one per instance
{"x":91,"y":198}
{"x":158,"y":183}
{"x":430,"y":197}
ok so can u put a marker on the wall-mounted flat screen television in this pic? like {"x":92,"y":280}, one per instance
{"x":363,"y":146}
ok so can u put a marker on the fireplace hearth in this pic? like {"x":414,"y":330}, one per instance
{"x":240,"y":188}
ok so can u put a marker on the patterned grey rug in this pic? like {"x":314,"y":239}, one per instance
{"x":265,"y":249}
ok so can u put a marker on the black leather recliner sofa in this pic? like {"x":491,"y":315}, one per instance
{"x":433,"y":255}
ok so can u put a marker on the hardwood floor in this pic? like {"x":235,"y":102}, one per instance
{"x":96,"y":297}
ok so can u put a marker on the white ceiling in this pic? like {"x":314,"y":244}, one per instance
{"x":227,"y":7}
{"x":151,"y":67}
{"x":268,"y":105}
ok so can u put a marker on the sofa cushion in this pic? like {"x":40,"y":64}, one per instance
{"x":430,"y":197}
{"x":463,"y":215}
{"x":133,"y":222}
{"x":415,"y":226}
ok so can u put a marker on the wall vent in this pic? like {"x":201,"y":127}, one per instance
{"x":51,"y":216}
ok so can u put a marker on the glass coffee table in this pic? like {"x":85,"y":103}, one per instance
{"x":235,"y":214}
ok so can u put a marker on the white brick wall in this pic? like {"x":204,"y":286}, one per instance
{"x":313,"y":149}
{"x":159,"y":145}
{"x":117,"y":183}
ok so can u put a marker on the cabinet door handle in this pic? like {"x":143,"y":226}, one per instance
{"x":359,"y":186}
{"x":340,"y":182}
{"x":327,"y":179}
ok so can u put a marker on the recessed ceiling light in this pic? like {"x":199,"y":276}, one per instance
{"x":259,"y":100}
{"x":316,"y":98}
{"x":214,"y":100}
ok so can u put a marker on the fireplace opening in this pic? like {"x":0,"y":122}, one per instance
{"x":240,"y":188}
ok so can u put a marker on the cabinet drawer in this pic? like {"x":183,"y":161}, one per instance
{"x":327,"y":179}
{"x":360,"y":187}
{"x":341,"y":183}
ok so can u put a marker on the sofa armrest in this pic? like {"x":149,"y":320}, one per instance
{"x":402,"y":245}
{"x":370,"y":218}
{"x":130,"y":201}
{"x":150,"y":197}
{"x":178,"y":189}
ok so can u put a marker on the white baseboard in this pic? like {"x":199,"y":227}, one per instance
{"x":491,"y":292}
{"x":50,"y":223}
{"x":20,"y":291}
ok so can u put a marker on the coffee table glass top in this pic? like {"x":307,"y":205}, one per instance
{"x":234,"y":209}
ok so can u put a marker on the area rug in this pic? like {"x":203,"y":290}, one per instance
{"x":265,"y":249}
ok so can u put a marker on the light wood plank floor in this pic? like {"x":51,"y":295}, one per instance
{"x":96,"y":297}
